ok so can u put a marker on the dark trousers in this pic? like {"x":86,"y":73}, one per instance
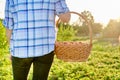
{"x":41,"y":67}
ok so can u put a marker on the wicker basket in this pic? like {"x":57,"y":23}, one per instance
{"x":74,"y":51}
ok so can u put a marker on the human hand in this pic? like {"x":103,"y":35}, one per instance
{"x":65,"y":17}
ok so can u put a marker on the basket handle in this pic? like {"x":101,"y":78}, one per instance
{"x":89,"y":24}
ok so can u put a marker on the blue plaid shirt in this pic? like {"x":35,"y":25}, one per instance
{"x":32,"y":22}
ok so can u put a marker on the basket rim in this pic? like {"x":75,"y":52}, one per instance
{"x":89,"y":24}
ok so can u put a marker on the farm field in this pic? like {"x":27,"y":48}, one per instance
{"x":103,"y":64}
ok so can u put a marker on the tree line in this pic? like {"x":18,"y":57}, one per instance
{"x":111,"y":30}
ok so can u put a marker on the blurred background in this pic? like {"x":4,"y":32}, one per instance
{"x":104,"y":61}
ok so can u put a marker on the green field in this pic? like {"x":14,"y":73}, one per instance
{"x":103,"y":64}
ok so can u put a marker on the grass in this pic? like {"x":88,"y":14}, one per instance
{"x":103,"y":64}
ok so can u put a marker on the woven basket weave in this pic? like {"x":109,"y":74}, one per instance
{"x":74,"y":51}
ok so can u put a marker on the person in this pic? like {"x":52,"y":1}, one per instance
{"x":30,"y":30}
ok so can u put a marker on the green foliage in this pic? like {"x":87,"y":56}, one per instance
{"x":3,"y":41}
{"x":5,"y":68}
{"x":65,"y":32}
{"x":103,"y":64}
